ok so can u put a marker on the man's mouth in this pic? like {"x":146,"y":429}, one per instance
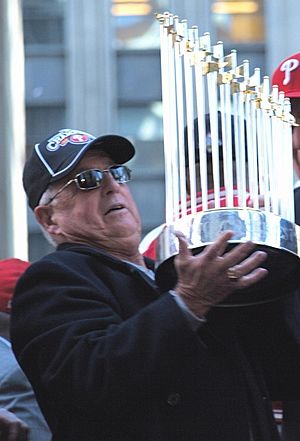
{"x":115,"y":207}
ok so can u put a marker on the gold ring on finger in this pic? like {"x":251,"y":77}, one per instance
{"x":232,"y":274}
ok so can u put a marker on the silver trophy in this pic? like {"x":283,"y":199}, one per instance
{"x":243,"y":183}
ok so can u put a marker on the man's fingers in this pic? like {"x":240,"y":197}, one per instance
{"x":253,"y":277}
{"x":183,"y":244}
{"x":238,"y":253}
{"x":249,"y":264}
{"x":219,"y":246}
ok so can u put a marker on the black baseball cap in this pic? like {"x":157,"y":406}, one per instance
{"x":57,"y":156}
{"x":208,"y":138}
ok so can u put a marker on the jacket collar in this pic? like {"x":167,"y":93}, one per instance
{"x":119,"y":264}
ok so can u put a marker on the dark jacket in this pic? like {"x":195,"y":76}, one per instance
{"x":113,"y":359}
{"x":297,"y":205}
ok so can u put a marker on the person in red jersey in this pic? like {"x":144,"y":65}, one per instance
{"x":20,"y":415}
{"x":287,"y":77}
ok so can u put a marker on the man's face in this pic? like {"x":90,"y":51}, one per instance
{"x":296,"y":135}
{"x":105,"y":217}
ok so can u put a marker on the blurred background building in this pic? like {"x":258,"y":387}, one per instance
{"x":95,"y":65}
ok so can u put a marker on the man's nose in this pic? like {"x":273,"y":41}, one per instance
{"x":109,"y":183}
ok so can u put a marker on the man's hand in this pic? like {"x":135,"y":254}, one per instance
{"x":12,"y":428}
{"x":208,"y":278}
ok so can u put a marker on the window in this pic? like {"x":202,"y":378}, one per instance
{"x":43,"y":22}
{"x":238,"y":21}
{"x":134,"y":23}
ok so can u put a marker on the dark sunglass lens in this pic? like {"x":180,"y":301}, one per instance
{"x":120,"y":173}
{"x":90,"y":179}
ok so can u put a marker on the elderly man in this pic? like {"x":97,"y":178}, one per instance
{"x":109,"y":355}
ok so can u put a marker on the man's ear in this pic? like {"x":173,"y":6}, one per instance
{"x":44,"y":216}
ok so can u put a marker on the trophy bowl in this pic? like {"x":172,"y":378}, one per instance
{"x":278,"y":237}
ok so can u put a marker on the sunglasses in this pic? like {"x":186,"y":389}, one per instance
{"x":93,"y":178}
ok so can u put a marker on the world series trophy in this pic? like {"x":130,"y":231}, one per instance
{"x":245,"y":182}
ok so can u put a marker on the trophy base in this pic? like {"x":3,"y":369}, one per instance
{"x":279,"y":238}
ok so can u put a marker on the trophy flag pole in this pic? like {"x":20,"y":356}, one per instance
{"x":225,"y":134}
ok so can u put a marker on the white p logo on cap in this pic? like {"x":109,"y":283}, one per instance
{"x":287,"y":67}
